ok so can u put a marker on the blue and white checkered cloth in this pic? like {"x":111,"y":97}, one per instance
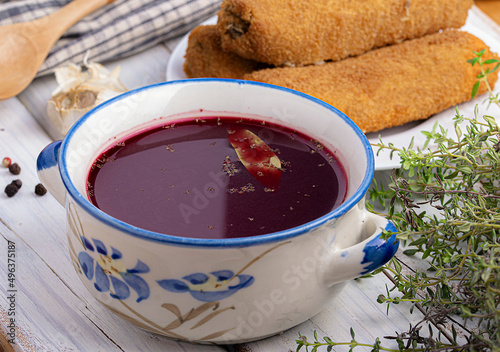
{"x":117,"y":30}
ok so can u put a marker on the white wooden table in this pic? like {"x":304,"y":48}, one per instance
{"x":52,"y":309}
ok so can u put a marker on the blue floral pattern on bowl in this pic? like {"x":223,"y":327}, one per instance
{"x":110,"y":273}
{"x":208,"y":288}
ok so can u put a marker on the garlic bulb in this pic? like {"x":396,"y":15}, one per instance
{"x":79,"y":91}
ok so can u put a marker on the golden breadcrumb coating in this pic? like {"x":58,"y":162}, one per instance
{"x":205,"y":58}
{"x":302,"y":32}
{"x":393,"y":85}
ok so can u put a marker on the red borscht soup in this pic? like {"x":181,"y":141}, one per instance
{"x":217,"y":177}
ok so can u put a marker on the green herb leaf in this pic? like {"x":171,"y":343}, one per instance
{"x":444,"y":200}
{"x":475,"y":89}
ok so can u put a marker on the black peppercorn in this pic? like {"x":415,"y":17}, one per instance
{"x":15,"y":169}
{"x":17,"y":183}
{"x":40,"y":189}
{"x":11,"y":190}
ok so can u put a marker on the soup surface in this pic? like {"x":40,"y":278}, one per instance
{"x":217,"y":177}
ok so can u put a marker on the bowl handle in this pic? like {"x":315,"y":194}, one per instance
{"x":47,"y":165}
{"x":364,"y":257}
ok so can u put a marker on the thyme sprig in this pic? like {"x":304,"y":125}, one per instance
{"x":445,"y":203}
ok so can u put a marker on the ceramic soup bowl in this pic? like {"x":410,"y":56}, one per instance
{"x":216,"y":290}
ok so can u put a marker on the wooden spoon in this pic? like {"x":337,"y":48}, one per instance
{"x":24,"y":46}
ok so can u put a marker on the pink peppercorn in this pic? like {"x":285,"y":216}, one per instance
{"x":6,"y":162}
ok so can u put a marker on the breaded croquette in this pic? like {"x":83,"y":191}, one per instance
{"x":302,"y":32}
{"x":205,"y":58}
{"x":393,"y":85}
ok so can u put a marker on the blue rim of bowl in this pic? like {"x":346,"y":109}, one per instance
{"x":83,"y":202}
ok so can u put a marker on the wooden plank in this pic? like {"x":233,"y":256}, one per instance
{"x":171,"y":44}
{"x":53,"y":311}
{"x":490,"y":8}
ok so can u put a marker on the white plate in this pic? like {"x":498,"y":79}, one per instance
{"x":477,"y":23}
{"x":175,"y":66}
